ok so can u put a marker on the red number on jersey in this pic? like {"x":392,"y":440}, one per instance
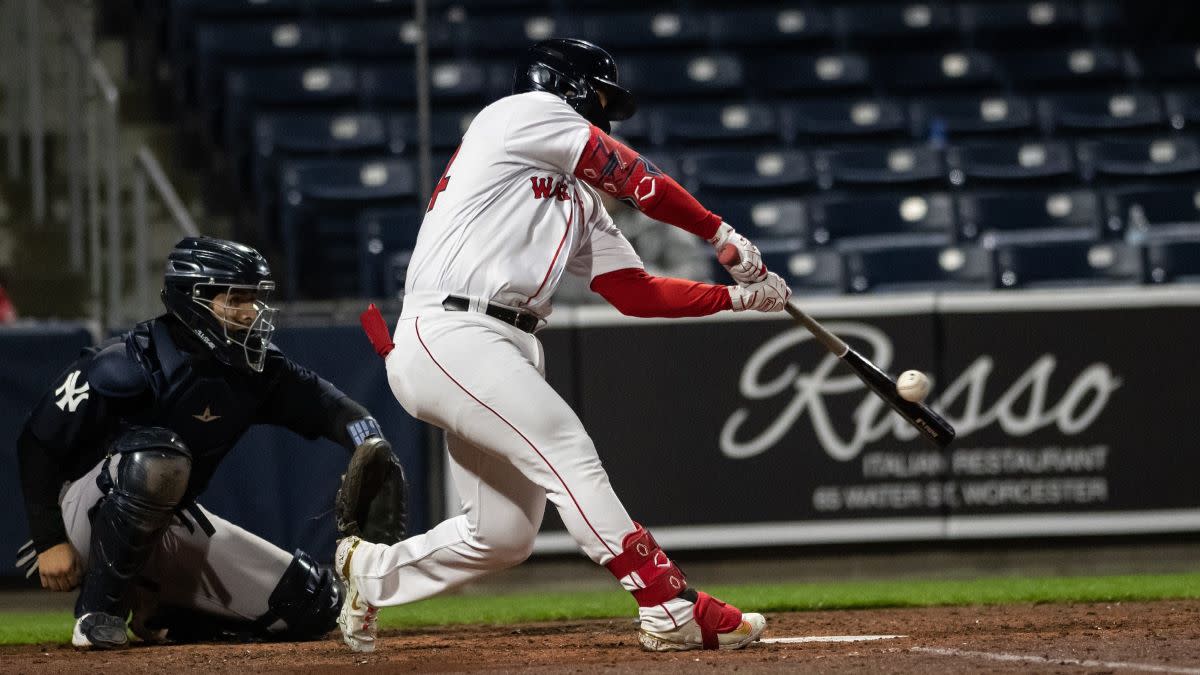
{"x":445,"y":181}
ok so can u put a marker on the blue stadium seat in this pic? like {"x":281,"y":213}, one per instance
{"x":1031,"y":21}
{"x":783,"y":73}
{"x":449,"y":81}
{"x":873,"y":268}
{"x":1103,"y":112}
{"x":641,"y":128}
{"x":995,"y":215}
{"x":761,"y":219}
{"x":950,"y":69}
{"x":838,"y":218}
{"x":807,"y":272}
{"x":183,"y":15}
{"x":714,"y":123}
{"x":1065,"y":66}
{"x":966,"y":115}
{"x":777,"y":171}
{"x":1066,"y":263}
{"x":1145,"y":210}
{"x":283,"y":136}
{"x":383,"y":233}
{"x":1173,"y":260}
{"x":1011,"y":161}
{"x":1171,"y":63}
{"x":319,"y":203}
{"x":1140,"y":157}
{"x":897,"y":165}
{"x":508,"y":33}
{"x":820,"y":119}
{"x":789,"y":25}
{"x":385,"y":38}
{"x":645,"y":29}
{"x":250,"y":90}
{"x":897,"y":21}
{"x":693,"y":74}
{"x":1183,"y":108}
{"x":221,"y":45}
{"x":447,"y":126}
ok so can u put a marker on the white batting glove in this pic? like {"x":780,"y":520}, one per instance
{"x":750,"y":268}
{"x":768,"y":295}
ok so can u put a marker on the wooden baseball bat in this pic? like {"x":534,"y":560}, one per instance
{"x":930,"y":424}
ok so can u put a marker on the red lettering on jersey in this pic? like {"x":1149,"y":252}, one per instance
{"x":443,"y":183}
{"x":542,"y":187}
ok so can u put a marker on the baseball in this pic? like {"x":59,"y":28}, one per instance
{"x":913,"y":386}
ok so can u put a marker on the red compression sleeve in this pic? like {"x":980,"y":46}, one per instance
{"x":635,"y":293}
{"x":616,"y":169}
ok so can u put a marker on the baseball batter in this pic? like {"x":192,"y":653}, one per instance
{"x":516,"y":209}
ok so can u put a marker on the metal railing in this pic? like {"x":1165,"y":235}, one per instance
{"x":91,"y":126}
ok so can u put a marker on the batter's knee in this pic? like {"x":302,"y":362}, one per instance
{"x":505,"y":546}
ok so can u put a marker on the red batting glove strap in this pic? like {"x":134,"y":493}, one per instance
{"x":377,"y":330}
{"x":616,"y":169}
{"x":636,"y":293}
{"x":714,"y":617}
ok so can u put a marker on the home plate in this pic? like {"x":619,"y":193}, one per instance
{"x":828,"y":638}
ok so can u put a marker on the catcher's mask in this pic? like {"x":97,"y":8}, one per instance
{"x":219,"y":289}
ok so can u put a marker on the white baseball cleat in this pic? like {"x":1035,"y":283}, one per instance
{"x":97,"y":630}
{"x":357,"y":619}
{"x":715,"y":626}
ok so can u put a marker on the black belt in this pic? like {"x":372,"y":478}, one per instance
{"x":526,"y":322}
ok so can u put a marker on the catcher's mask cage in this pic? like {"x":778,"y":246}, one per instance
{"x":253,"y":336}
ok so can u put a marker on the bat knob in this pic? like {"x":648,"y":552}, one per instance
{"x":728,"y":255}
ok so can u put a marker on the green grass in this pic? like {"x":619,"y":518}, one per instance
{"x":55,"y":627}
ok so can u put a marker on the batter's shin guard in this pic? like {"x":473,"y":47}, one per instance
{"x":658,"y":579}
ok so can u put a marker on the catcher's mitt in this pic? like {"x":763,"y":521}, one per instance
{"x":371,"y":500}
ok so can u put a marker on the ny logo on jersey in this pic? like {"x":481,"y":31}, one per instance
{"x":72,"y":396}
{"x":545,"y":187}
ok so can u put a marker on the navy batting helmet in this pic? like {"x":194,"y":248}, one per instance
{"x":237,"y":327}
{"x":575,"y":70}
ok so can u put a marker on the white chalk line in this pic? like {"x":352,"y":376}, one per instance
{"x":827,"y":638}
{"x":1085,"y":663}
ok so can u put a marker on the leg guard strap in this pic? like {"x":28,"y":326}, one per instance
{"x":662,"y":580}
{"x":714,"y":617}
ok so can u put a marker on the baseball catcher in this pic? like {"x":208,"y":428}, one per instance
{"x":113,"y":458}
{"x":517,"y":208}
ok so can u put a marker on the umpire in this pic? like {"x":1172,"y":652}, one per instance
{"x":112,"y":459}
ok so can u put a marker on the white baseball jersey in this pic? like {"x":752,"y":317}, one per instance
{"x":509,"y":217}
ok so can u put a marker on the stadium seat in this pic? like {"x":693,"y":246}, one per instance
{"x":807,"y":272}
{"x":714,"y":123}
{"x":897,"y":21}
{"x":1066,"y":263}
{"x":382,"y":233}
{"x":1103,"y":112}
{"x":449,"y":81}
{"x":995,"y":215}
{"x":643,"y":127}
{"x":838,"y":218}
{"x":820,"y":119}
{"x":1172,"y":260}
{"x":447,"y":126}
{"x":789,"y":25}
{"x":252,"y":90}
{"x":967,"y":115}
{"x":645,"y":29}
{"x":761,"y":219}
{"x":282,"y":136}
{"x":385,"y":38}
{"x":183,"y":15}
{"x":319,"y":203}
{"x":1140,"y":157}
{"x":221,"y":45}
{"x":1171,"y":63}
{"x":1139,"y":211}
{"x":1031,"y":21}
{"x":939,"y":70}
{"x":362,"y":7}
{"x":1011,"y":161}
{"x":916,"y":267}
{"x":897,"y":165}
{"x":1065,"y":66}
{"x":1183,"y":108}
{"x":781,"y":170}
{"x":787,"y":74}
{"x":694,"y":74}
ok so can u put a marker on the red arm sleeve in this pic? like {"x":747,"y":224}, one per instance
{"x":635,"y":293}
{"x":616,"y":169}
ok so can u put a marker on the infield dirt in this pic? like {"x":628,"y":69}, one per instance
{"x":1161,"y":634}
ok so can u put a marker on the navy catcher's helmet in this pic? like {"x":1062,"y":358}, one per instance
{"x":202,"y":268}
{"x":575,"y":70}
